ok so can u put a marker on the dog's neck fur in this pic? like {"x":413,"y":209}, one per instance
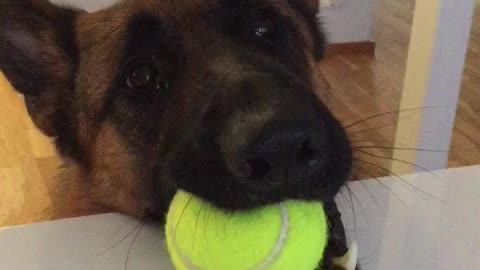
{"x":70,"y":196}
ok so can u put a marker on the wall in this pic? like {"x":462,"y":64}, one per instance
{"x":435,"y":65}
{"x":352,"y":21}
{"x":89,"y":5}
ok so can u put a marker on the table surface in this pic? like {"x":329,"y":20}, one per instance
{"x":431,"y":221}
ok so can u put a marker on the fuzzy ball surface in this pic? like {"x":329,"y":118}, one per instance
{"x":289,"y":235}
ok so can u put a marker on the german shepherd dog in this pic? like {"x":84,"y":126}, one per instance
{"x":216,"y":97}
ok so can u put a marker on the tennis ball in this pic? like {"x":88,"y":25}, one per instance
{"x":289,"y":235}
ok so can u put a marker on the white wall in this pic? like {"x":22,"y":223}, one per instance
{"x":352,"y":21}
{"x":88,"y":5}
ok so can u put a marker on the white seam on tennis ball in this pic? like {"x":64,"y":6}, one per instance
{"x":282,"y":238}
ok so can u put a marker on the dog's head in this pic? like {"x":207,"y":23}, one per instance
{"x":216,"y":97}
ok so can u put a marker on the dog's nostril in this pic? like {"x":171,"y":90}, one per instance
{"x":282,"y":154}
{"x":305,"y":153}
{"x":257,"y":168}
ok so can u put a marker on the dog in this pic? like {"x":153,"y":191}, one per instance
{"x":216,"y":97}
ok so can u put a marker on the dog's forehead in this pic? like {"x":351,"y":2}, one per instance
{"x":192,"y":7}
{"x":102,"y":35}
{"x":109,"y":28}
{"x":178,"y":10}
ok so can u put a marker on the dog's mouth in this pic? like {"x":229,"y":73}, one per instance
{"x":206,"y":174}
{"x":349,"y":260}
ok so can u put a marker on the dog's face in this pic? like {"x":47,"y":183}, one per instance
{"x":216,"y":97}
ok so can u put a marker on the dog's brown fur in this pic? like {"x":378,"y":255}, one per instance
{"x":100,"y":53}
{"x":66,"y":77}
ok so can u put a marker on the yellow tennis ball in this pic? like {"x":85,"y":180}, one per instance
{"x":285,"y":236}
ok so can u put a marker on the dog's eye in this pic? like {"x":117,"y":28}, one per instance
{"x":141,"y":76}
{"x":264,"y":30}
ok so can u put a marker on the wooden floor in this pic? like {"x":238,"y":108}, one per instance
{"x":361,"y":86}
{"x":27,"y":162}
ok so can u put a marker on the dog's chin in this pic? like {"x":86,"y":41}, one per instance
{"x":240,"y":198}
{"x":226,"y":191}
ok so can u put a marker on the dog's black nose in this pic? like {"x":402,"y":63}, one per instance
{"x":285,"y":154}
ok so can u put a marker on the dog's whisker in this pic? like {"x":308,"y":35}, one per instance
{"x":362,"y":141}
{"x":399,"y":148}
{"x":338,"y":89}
{"x":369,"y":192}
{"x":343,"y":203}
{"x":370,"y":129}
{"x":403,"y":161}
{"x":398,"y":177}
{"x":396,"y":112}
{"x":224,"y":224}
{"x":196,"y":224}
{"x":367,"y":258}
{"x":329,"y":224}
{"x":131,"y":245}
{"x":121,"y":240}
{"x":181,"y":216}
{"x":205,"y":222}
{"x":389,"y":173}
{"x":381,"y":183}
{"x":355,"y":224}
{"x":123,"y":153}
{"x":208,"y":218}
{"x":391,"y":124}
{"x":355,"y":197}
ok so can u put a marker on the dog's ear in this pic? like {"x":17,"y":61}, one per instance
{"x":310,"y":10}
{"x":38,"y":54}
